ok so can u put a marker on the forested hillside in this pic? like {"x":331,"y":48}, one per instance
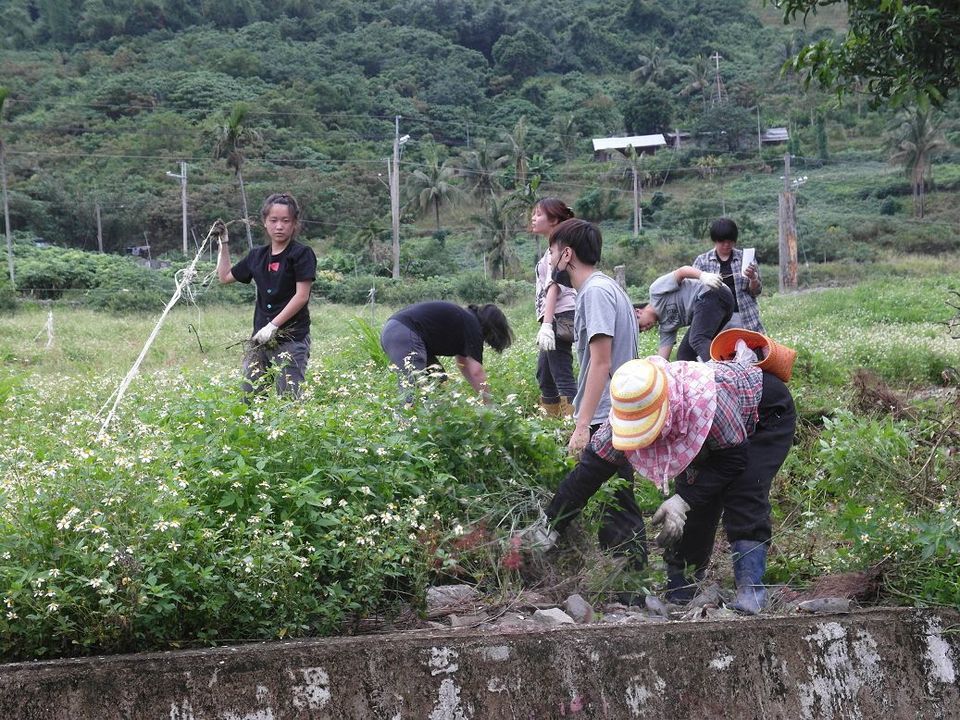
{"x":106,"y":98}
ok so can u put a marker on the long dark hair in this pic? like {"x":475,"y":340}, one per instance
{"x":494,"y":326}
{"x":555,"y":209}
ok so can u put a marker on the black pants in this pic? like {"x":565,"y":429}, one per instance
{"x":555,"y":373}
{"x":712,"y":310}
{"x":715,"y":486}
{"x":622,"y":522}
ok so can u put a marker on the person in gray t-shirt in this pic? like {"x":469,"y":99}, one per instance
{"x":687,"y":297}
{"x":603,"y":311}
{"x":606,"y":337}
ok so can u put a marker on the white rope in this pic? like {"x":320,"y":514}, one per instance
{"x":183,"y":278}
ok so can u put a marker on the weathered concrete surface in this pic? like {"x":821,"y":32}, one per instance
{"x":886,"y":663}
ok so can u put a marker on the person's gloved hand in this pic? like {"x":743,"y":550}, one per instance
{"x":219,"y":230}
{"x":711,"y":280}
{"x":265,"y":334}
{"x":539,"y":535}
{"x":744,"y":355}
{"x":673,"y":514}
{"x":546,"y":339}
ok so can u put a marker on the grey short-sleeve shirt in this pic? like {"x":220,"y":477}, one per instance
{"x":603,"y":308}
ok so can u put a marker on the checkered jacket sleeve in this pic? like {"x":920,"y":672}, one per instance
{"x":746,"y":303}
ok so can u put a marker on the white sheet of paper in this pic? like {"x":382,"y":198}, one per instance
{"x":748,"y":259}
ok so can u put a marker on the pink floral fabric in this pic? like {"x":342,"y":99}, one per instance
{"x":693,"y":404}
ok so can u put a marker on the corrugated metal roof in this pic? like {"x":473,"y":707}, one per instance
{"x":620,"y":143}
{"x":777,"y":134}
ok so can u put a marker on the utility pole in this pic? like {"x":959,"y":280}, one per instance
{"x":637,"y":222}
{"x":395,"y":197}
{"x":182,"y":177}
{"x":787,"y":225}
{"x":759,"y":143}
{"x":96,"y":209}
{"x":393,"y":170}
{"x":6,"y":210}
{"x":4,"y":94}
{"x":719,"y":98}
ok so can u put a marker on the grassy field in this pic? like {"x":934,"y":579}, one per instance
{"x":196,"y":519}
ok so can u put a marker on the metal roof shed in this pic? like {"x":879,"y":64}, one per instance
{"x":603,"y":147}
{"x":775,"y":136}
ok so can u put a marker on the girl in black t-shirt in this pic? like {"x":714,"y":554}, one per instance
{"x":283,"y":271}
{"x":414,"y":337}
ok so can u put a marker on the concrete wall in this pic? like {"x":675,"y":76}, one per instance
{"x":887,"y":663}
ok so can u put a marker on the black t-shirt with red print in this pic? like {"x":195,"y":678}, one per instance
{"x":276,"y":277}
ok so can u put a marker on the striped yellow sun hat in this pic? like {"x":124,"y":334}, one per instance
{"x":639,"y":407}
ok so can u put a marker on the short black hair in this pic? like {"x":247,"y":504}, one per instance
{"x":582,"y":237}
{"x":724,"y":229}
{"x":494,"y":326}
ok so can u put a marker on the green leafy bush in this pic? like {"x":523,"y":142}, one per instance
{"x":511,"y":292}
{"x":201,"y":518}
{"x":130,"y":288}
{"x":475,"y":288}
{"x":406,"y":292}
{"x":8,"y":297}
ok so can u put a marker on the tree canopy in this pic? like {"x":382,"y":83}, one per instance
{"x":900,"y":49}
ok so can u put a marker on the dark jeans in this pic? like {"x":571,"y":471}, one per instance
{"x":622,"y":523}
{"x":712,"y":310}
{"x":289,"y":357}
{"x":408,"y":352}
{"x":715,"y":488}
{"x":555,"y":373}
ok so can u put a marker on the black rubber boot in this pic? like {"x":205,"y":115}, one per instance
{"x":681,"y":588}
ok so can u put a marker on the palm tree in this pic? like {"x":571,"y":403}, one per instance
{"x":479,"y":168}
{"x":4,"y":94}
{"x":232,"y":137}
{"x":516,"y":147}
{"x":369,"y":239}
{"x":566,"y":134}
{"x":698,"y":78}
{"x":651,"y":66}
{"x":916,"y":138}
{"x":432,"y":185}
{"x":496,"y":228}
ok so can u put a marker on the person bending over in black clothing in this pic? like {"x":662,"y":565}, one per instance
{"x":414,"y":337}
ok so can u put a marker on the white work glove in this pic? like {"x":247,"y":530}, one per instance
{"x":539,"y":536}
{"x":711,"y":280}
{"x":546,"y":339}
{"x":673,"y":514}
{"x":744,"y":355}
{"x":265,"y":334}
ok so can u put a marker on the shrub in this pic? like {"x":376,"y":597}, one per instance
{"x":890,"y":206}
{"x":8,"y":297}
{"x":511,"y":292}
{"x":277,"y":520}
{"x":354,"y":289}
{"x":130,"y":288}
{"x":406,"y":292}
{"x":475,"y":288}
{"x":597,"y":204}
